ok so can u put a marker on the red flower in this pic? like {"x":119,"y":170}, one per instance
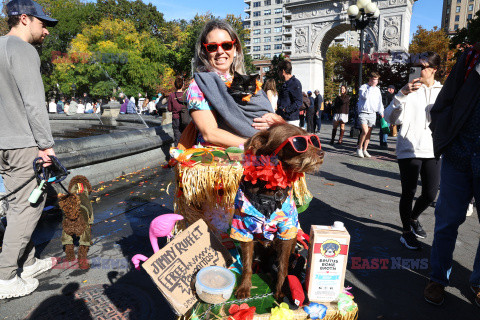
{"x":243,"y":312}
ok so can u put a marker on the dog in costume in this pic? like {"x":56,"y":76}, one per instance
{"x":77,"y":219}
{"x":264,"y":206}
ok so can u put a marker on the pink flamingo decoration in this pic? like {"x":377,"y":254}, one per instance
{"x":161,"y":226}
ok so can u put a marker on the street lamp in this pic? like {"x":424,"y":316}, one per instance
{"x":364,"y":14}
{"x":74,"y":88}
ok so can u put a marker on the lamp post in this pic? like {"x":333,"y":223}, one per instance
{"x":74,"y":88}
{"x":362,"y":15}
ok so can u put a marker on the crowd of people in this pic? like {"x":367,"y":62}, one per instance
{"x":437,"y":134}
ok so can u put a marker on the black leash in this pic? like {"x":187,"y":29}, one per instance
{"x":54,"y":173}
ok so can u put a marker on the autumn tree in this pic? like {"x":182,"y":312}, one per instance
{"x":339,"y":69}
{"x":111,"y":55}
{"x":273,"y":72}
{"x":466,"y":36}
{"x":435,"y":40}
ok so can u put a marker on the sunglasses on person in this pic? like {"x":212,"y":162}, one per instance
{"x":300,"y":143}
{"x":213,"y":46}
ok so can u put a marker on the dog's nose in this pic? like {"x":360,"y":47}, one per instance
{"x":321,"y":154}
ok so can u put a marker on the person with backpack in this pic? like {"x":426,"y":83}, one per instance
{"x":177,"y":106}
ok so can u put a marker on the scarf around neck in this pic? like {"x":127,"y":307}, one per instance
{"x":231,"y":116}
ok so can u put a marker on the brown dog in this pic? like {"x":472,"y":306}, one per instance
{"x":269,"y":201}
{"x":77,"y":219}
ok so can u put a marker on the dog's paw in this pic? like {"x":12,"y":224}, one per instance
{"x":279,"y":295}
{"x":242,"y":292}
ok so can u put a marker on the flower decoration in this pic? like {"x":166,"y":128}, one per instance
{"x":346,"y":303}
{"x":316,"y":310}
{"x":242,"y":312}
{"x":268,"y":169}
{"x":282,"y":312}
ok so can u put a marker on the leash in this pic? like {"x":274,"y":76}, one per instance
{"x":54,"y":173}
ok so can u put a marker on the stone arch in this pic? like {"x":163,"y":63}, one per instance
{"x":333,"y":30}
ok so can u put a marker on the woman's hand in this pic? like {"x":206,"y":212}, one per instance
{"x":412,"y":86}
{"x":266,"y":121}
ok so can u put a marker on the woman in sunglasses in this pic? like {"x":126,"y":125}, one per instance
{"x":218,"y":118}
{"x":410,"y":108}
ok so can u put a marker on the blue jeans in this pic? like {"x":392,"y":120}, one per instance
{"x":456,"y":191}
{"x":383,"y":138}
{"x":319,"y":120}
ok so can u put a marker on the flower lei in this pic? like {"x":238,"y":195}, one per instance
{"x":268,"y":169}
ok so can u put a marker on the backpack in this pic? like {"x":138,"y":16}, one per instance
{"x":185,"y":117}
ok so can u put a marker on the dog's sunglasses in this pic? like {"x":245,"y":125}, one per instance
{"x":300,"y":143}
{"x":213,"y":47}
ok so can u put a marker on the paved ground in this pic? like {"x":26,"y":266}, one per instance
{"x":363,"y":193}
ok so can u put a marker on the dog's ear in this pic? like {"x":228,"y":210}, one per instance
{"x":70,"y":205}
{"x":258,"y":141}
{"x":79,"y":179}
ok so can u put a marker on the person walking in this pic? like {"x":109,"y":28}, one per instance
{"x":369,"y":103}
{"x":318,"y":103}
{"x":311,"y":113}
{"x":290,"y":98}
{"x":24,"y":135}
{"x":411,"y":108}
{"x":270,"y":89}
{"x":341,"y":106}
{"x":175,"y":105}
{"x":387,"y":98}
{"x":454,"y":124}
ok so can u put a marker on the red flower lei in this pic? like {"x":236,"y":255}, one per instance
{"x":268,"y":169}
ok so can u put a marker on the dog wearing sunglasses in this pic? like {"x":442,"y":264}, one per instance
{"x":266,"y":211}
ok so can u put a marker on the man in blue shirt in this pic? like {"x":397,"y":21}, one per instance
{"x":290,"y":98}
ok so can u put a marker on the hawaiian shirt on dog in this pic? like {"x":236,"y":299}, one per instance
{"x":248,"y":221}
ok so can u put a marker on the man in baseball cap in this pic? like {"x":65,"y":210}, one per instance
{"x":25,"y":134}
{"x":30,"y":8}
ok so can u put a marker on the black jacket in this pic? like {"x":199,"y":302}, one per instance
{"x":290,"y":100}
{"x":454,"y":104}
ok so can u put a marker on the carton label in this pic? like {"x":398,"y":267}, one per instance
{"x":328,"y":260}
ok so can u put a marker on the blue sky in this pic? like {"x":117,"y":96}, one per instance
{"x":427,"y":13}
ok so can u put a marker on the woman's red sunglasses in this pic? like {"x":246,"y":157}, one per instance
{"x":213,"y":47}
{"x":300,"y":143}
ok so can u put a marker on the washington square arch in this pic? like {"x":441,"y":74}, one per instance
{"x":315,"y":23}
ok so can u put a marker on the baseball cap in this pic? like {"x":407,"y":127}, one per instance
{"x":31,"y":8}
{"x":309,"y":92}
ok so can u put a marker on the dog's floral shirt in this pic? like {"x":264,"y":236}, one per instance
{"x":248,"y":222}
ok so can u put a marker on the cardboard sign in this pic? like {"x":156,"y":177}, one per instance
{"x":173,"y":268}
{"x":327,"y":263}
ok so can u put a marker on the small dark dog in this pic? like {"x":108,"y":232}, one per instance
{"x":77,"y":219}
{"x":265,"y":143}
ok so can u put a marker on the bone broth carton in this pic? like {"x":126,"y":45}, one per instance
{"x":327,"y":262}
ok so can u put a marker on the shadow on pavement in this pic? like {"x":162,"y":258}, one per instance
{"x":392,"y":289}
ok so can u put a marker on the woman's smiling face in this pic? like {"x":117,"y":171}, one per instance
{"x":221,"y":60}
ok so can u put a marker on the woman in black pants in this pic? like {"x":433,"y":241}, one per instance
{"x":411,"y":108}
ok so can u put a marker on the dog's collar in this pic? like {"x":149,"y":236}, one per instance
{"x":265,"y":204}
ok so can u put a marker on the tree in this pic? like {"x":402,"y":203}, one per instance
{"x":467,"y":36}
{"x":114,"y":55}
{"x":339,"y":69}
{"x":435,"y":40}
{"x":145,"y":17}
{"x":273,"y":72}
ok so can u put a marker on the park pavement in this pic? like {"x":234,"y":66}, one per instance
{"x":387,"y":279}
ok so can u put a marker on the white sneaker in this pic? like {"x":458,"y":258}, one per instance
{"x":360,"y":153}
{"x":366,"y":154}
{"x":39,"y":267}
{"x":17,"y":287}
{"x":470,"y":210}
